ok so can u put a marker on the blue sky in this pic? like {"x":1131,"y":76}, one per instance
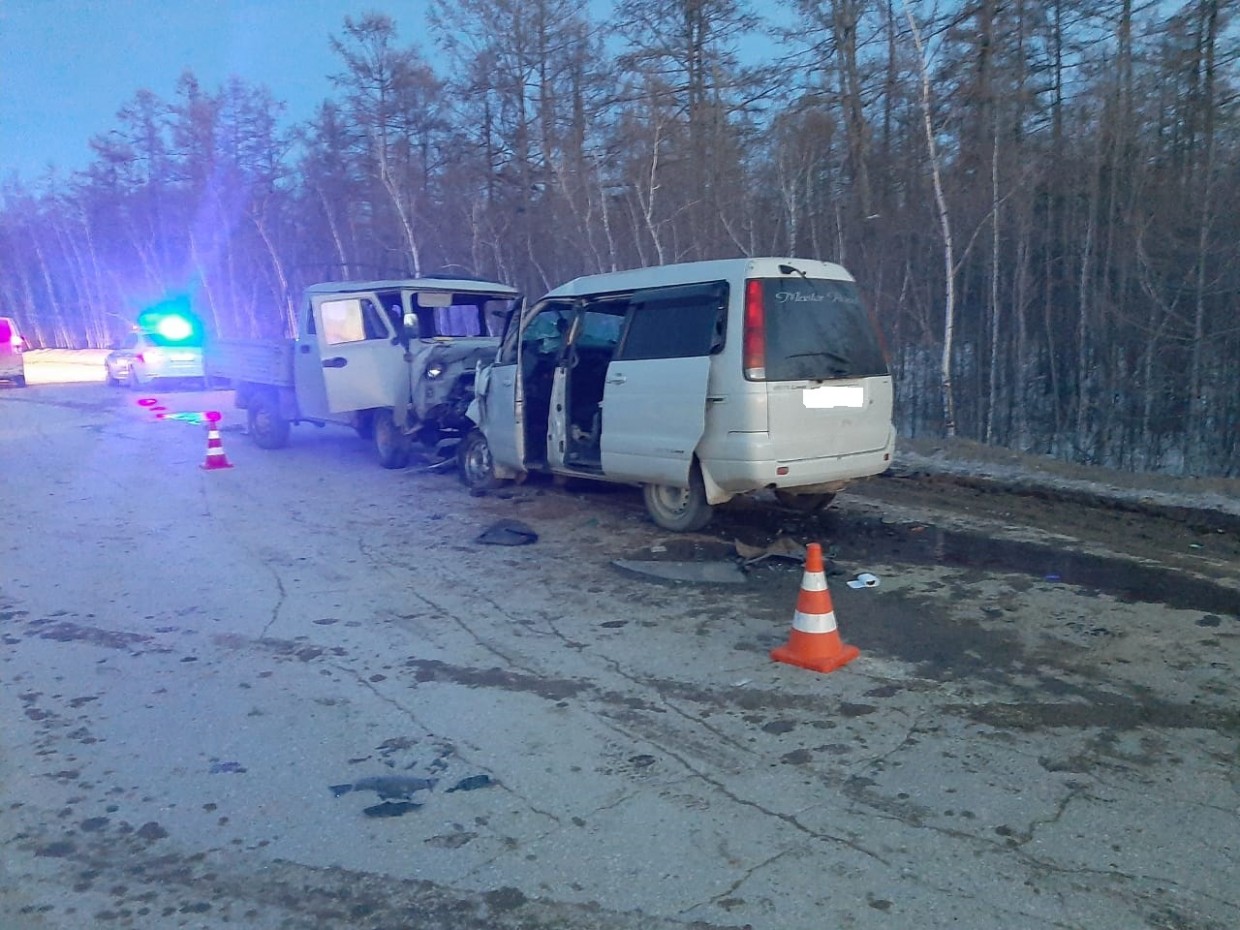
{"x":67,"y":66}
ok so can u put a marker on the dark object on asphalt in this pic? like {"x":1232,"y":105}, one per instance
{"x":387,"y":786}
{"x":470,"y":782}
{"x":507,"y":533}
{"x":391,"y":809}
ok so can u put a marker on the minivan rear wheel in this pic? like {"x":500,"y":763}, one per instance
{"x":681,"y":510}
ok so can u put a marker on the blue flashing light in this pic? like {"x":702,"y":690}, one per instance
{"x":171,"y":321}
{"x":174,"y":327}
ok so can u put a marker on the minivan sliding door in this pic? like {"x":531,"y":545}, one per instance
{"x":654,"y":398}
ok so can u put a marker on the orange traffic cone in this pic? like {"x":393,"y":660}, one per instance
{"x":215,"y":449}
{"x":814,"y":642}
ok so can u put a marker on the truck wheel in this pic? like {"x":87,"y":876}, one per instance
{"x":681,"y":510}
{"x":392,"y":446}
{"x":268,"y":429}
{"x":474,"y":463}
{"x":804,"y":503}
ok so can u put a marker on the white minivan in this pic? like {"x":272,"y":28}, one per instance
{"x":697,"y":381}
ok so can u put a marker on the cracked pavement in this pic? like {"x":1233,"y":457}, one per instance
{"x":191,"y":658}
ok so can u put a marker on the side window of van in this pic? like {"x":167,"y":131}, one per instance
{"x":675,"y":322}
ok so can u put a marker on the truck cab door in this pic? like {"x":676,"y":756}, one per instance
{"x":360,"y":367}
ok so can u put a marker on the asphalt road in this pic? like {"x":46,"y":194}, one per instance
{"x":225,"y":694}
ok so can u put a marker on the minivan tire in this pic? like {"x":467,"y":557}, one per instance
{"x":681,"y":510}
{"x":474,"y":463}
{"x":392,"y":446}
{"x":267,"y":428}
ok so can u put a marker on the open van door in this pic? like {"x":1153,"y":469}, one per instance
{"x":519,"y":384}
{"x":654,"y":395}
{"x":501,"y":399}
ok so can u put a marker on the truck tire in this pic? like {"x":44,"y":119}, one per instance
{"x":681,"y":510}
{"x":268,"y":428}
{"x":474,"y":463}
{"x":392,"y":446}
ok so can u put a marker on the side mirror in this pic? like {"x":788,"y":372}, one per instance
{"x":410,"y":322}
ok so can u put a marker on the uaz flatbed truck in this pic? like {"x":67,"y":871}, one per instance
{"x":394,"y":360}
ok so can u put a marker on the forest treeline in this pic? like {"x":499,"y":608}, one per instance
{"x":1039,"y":198}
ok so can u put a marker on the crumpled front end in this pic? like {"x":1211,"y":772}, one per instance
{"x":443,"y":381}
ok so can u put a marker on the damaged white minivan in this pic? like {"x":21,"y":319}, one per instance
{"x":697,"y":381}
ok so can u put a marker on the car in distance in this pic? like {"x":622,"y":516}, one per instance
{"x":165,"y":354}
{"x":12,"y":345}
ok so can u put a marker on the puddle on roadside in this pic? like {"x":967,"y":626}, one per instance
{"x":856,"y":541}
{"x":921,"y":544}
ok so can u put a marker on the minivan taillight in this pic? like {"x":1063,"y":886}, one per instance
{"x":753,"y":342}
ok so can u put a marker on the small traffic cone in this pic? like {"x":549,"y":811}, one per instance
{"x":215,"y":449}
{"x":814,"y":642}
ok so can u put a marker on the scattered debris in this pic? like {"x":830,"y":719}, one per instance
{"x":387,"y":786}
{"x":472,"y":782}
{"x":693,"y":572}
{"x":864,"y":580}
{"x":507,"y":533}
{"x":391,"y":809}
{"x":783,"y":547}
{"x":441,"y":466}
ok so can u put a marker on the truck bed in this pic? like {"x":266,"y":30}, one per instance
{"x":253,"y":360}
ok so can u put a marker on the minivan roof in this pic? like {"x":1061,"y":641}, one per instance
{"x":456,"y":285}
{"x":727,"y":269}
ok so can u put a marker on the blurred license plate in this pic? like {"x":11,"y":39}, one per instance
{"x":834,"y":395}
{"x":182,"y":356}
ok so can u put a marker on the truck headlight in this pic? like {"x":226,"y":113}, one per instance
{"x":434,"y":372}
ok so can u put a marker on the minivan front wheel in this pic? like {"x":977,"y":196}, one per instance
{"x":474,"y":462}
{"x":681,"y":510}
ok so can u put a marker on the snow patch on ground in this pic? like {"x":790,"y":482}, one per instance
{"x":973,"y":460}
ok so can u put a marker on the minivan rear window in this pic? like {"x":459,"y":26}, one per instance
{"x":675,"y":322}
{"x":817,"y":330}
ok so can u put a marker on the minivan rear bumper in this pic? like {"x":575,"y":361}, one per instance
{"x":740,"y":476}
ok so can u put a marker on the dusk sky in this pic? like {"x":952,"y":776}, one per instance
{"x":68,"y":66}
